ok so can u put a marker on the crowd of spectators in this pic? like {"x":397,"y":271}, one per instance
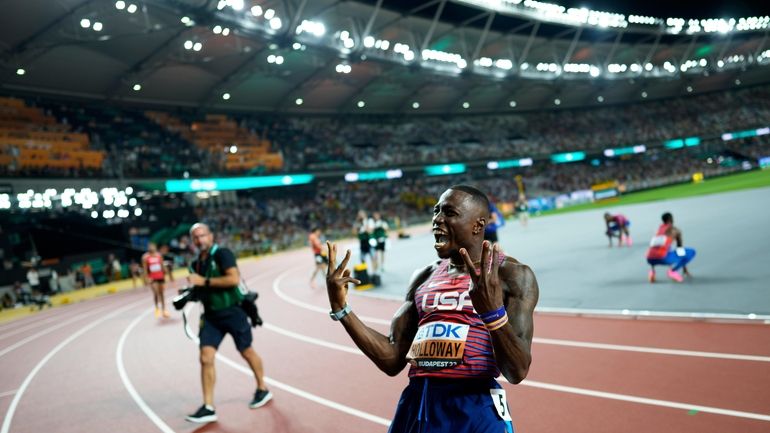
{"x":138,"y":147}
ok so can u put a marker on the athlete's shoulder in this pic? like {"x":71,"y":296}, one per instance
{"x":420,"y":276}
{"x":516,"y":273}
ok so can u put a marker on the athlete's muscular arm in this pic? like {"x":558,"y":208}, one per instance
{"x":513,"y":342}
{"x":387,"y":352}
{"x":512,"y":285}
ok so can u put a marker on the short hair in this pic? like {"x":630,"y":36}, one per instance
{"x":197,"y":226}
{"x":667,"y":217}
{"x":477,"y":196}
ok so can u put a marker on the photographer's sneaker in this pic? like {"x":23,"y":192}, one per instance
{"x":203,"y":415}
{"x":261,"y":397}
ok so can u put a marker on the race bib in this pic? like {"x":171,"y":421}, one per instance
{"x":155,"y":267}
{"x":438,"y":345}
{"x":658,"y":241}
{"x":501,"y":405}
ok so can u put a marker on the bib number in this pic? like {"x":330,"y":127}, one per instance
{"x":501,"y":405}
{"x":658,"y":241}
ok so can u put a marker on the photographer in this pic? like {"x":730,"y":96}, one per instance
{"x":215,"y":276}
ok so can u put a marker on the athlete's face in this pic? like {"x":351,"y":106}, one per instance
{"x":202,"y":238}
{"x":152,"y":248}
{"x":457,"y":223}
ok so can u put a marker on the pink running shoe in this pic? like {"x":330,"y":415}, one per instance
{"x":651,"y":276}
{"x":629,"y":242}
{"x":676,"y":276}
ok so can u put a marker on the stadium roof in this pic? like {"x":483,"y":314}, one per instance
{"x":380,"y":56}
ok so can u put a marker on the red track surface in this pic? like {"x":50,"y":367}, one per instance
{"x":78,"y":387}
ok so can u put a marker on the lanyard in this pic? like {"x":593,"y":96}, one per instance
{"x":208,"y":262}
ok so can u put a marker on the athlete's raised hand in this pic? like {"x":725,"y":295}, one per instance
{"x":337,"y":278}
{"x":486,"y":291}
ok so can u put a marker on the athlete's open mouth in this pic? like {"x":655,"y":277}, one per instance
{"x":441,"y":239}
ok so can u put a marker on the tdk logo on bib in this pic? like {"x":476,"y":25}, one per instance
{"x":451,"y":331}
{"x":438,"y":345}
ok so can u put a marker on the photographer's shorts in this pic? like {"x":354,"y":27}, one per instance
{"x":231,"y":320}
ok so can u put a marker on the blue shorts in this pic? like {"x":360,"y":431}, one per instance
{"x":451,"y":406}
{"x":232,"y":320}
{"x":677,"y":260}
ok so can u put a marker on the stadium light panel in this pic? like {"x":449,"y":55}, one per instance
{"x":561,"y":158}
{"x":512,"y":104}
{"x":510,"y":163}
{"x":225,"y":96}
{"x":137,"y":87}
{"x":236,"y":183}
{"x":299,"y":101}
{"x":120,"y":5}
{"x":85,"y":23}
{"x":21,"y":71}
{"x":131,"y":8}
{"x":620,"y":151}
{"x":444,"y":169}
{"x":415,"y":105}
{"x":98,"y":26}
{"x":269,"y":14}
{"x":256,"y":10}
{"x":374,"y":175}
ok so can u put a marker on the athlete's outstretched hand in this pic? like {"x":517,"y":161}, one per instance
{"x":337,"y":278}
{"x":486,"y":292}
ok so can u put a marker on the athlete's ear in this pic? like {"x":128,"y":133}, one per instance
{"x":479,"y":225}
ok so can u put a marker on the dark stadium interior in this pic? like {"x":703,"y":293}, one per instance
{"x":124,"y":122}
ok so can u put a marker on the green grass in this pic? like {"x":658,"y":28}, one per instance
{"x":735,"y":182}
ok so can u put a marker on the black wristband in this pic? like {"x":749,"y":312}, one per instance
{"x":208,"y":283}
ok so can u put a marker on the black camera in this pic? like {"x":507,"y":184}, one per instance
{"x":186,"y":294}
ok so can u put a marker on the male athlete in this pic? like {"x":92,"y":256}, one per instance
{"x":617,"y":225}
{"x":379,"y":234}
{"x":363,"y":228}
{"x":660,"y":252}
{"x":467,"y":318}
{"x":314,"y":239}
{"x":155,"y":277}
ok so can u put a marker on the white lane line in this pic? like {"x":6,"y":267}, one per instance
{"x":302,"y":393}
{"x":127,"y":382}
{"x":655,"y":350}
{"x":308,"y":396}
{"x":311,"y":307}
{"x":8,"y":393}
{"x":562,"y":388}
{"x":47,"y":331}
{"x":648,"y":401}
{"x":20,"y":392}
{"x":312,"y":340}
{"x":37,"y":324}
{"x":559,"y":388}
{"x":552,"y":341}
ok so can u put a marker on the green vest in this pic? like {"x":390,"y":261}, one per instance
{"x":217,"y":299}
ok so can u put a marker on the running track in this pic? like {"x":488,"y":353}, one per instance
{"x":108,"y":365}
